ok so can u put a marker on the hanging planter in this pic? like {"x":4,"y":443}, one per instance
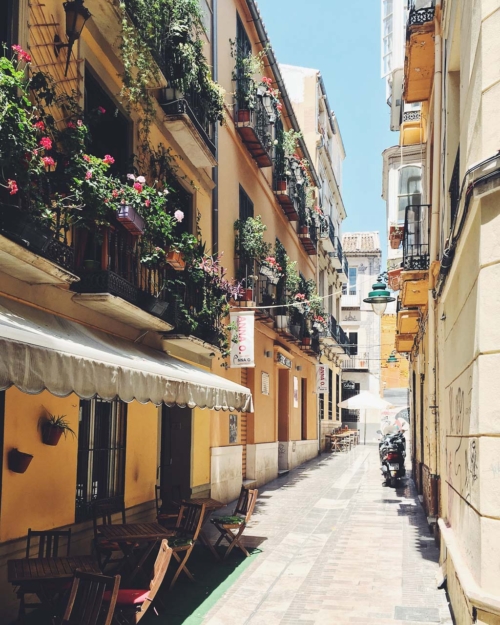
{"x":53,"y":428}
{"x":130,"y":219}
{"x":51,"y":434}
{"x":175,"y":260}
{"x":394,"y":279}
{"x":396,"y":236}
{"x":18,"y":461}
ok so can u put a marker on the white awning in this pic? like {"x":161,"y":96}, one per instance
{"x":39,"y":350}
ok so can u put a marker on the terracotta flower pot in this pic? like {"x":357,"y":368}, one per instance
{"x":281,"y":185}
{"x":247,"y":295}
{"x":51,"y":434}
{"x":244,"y":115}
{"x":175,"y":260}
{"x":304,"y":230}
{"x":306,"y":340}
{"x":19,"y":461}
{"x":395,"y":241}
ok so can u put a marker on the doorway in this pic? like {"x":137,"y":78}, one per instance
{"x":283,"y":397}
{"x":303,"y":408}
{"x":175,"y":468}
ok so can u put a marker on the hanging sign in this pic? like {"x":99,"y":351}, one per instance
{"x":321,"y":379}
{"x":242,"y":339}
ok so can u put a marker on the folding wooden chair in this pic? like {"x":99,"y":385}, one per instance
{"x":232,"y":527}
{"x":86,"y":605}
{"x":168,"y":504}
{"x":132,"y":603}
{"x":48,"y":547}
{"x":187,"y":529}
{"x":102,"y":514}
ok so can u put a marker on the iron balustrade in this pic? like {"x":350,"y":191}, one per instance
{"x":249,"y":108}
{"x":419,"y":14}
{"x":345,"y":266}
{"x":416,"y":237}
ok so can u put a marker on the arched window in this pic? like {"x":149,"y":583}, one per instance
{"x":409,"y":189}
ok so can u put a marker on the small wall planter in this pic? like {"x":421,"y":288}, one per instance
{"x":18,"y":461}
{"x":130,"y":219}
{"x":175,"y":260}
{"x":51,"y":434}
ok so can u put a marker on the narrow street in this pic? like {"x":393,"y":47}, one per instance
{"x":337,"y":547}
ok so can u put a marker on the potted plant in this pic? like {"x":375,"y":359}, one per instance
{"x":306,"y":338}
{"x":245,"y":69}
{"x":53,"y":427}
{"x":130,"y":219}
{"x":396,"y":236}
{"x":175,"y":259}
{"x":19,"y":461}
{"x":282,"y":320}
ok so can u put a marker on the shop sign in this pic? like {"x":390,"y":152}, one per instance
{"x":242,"y":339}
{"x":348,"y":385}
{"x":321,"y":379}
{"x":281,"y":359}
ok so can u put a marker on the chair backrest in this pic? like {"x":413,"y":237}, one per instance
{"x":190,"y":520}
{"x":159,"y":572}
{"x":242,"y":503}
{"x":86,"y":605}
{"x":253,"y":493}
{"x":48,"y":542}
{"x":104,"y":509}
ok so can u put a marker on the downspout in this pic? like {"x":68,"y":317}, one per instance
{"x":433,"y":255}
{"x":215,"y":170}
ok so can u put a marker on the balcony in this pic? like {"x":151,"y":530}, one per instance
{"x":359,"y":362}
{"x":186,"y":120}
{"x":34,"y":252}
{"x":344,"y":273}
{"x":408,"y":321}
{"x":415,"y":256}
{"x":412,"y":128}
{"x":115,"y":283}
{"x":307,"y":230}
{"x":337,"y":255}
{"x":285,"y":187}
{"x":404,"y":343}
{"x":255,"y":128}
{"x":351,"y":301}
{"x":419,"y":57}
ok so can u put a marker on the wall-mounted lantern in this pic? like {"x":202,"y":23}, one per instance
{"x":76,"y":16}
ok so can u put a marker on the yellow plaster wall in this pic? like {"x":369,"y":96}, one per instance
{"x":141,"y":461}
{"x":44,"y":496}
{"x":200,"y":451}
{"x":398,"y":375}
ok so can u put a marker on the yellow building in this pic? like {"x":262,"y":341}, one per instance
{"x":394,"y":375}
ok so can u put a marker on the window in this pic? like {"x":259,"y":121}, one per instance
{"x":101,"y":453}
{"x":349,"y":389}
{"x":242,"y":40}
{"x":387,"y":31}
{"x":330,"y":394}
{"x":321,"y":283}
{"x":410,"y":189}
{"x":353,"y":278}
{"x":353,"y":340}
{"x":330,"y":300}
{"x":322,"y":406}
{"x":246,"y":205}
{"x":8,"y":24}
{"x":303,"y":408}
{"x":337,"y":409}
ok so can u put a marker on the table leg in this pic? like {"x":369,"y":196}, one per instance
{"x":138,"y":567}
{"x":208,"y":544}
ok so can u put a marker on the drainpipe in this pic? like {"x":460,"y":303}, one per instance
{"x":215,"y":170}
{"x":433,"y":255}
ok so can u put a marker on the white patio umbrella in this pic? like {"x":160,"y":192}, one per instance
{"x":365,"y":401}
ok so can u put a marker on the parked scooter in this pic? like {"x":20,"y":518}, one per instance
{"x":392,"y":451}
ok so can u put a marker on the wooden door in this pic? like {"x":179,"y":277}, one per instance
{"x":176,"y":431}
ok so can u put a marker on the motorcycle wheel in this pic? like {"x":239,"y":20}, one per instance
{"x":394,"y":482}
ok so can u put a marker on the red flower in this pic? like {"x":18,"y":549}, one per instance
{"x":24,"y":56}
{"x":101,"y":110}
{"x":138,"y":187}
{"x":88,"y":175}
{"x":46,"y":143}
{"x":86,"y":158}
{"x":70,"y":125}
{"x":147,"y":203}
{"x":115,"y":193}
{"x":109,"y":160}
{"x":40,"y":125}
{"x":48,"y":161}
{"x":12,"y":185}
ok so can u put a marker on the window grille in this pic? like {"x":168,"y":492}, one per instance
{"x":246,"y":205}
{"x":101,"y":453}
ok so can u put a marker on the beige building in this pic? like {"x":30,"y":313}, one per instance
{"x":448,"y":308}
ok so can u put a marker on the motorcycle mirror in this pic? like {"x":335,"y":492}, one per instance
{"x":379,"y":431}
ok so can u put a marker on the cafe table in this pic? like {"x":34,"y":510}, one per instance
{"x":130,"y":537}
{"x":210,"y":506}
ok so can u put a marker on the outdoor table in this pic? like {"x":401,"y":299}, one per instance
{"x":337,"y":439}
{"x":210,"y":506}
{"x":32,"y":574}
{"x":131,"y":535}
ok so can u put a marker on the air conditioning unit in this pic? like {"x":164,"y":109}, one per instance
{"x":397,"y":98}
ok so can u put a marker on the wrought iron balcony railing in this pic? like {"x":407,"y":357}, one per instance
{"x":253,"y":123}
{"x":416,"y":237}
{"x":420,"y":12}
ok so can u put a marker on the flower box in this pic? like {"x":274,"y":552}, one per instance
{"x":175,"y":260}
{"x":130,"y":219}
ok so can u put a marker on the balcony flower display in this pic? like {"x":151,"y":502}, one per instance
{"x":396,"y":234}
{"x":270,"y":268}
{"x":250,"y":246}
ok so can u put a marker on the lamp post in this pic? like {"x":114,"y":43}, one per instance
{"x":379,"y":297}
{"x":392,"y":360}
{"x":76,"y":16}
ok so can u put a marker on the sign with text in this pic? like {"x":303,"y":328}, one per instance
{"x":242,"y":339}
{"x":321,"y":379}
{"x":281,"y":359}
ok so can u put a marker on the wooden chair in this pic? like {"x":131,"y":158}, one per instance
{"x":48,"y":547}
{"x":133,"y":603}
{"x":168,"y":504}
{"x":86,"y":605}
{"x":103,"y":511}
{"x":187,"y":529}
{"x":232,"y":527}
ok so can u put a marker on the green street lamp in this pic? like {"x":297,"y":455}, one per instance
{"x":392,"y":360}
{"x":379,"y":298}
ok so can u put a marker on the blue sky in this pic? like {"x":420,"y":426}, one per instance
{"x":342,"y":39}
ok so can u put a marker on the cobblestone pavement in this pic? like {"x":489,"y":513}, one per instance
{"x":338,"y":547}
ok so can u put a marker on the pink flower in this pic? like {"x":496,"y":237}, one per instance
{"x":115,"y":193}
{"x":131,"y":176}
{"x":109,"y":160}
{"x":24,"y":56}
{"x":137,"y":187}
{"x":39,"y":125}
{"x":70,"y":125}
{"x":147,"y":203}
{"x":88,"y":175}
{"x":101,"y":110}
{"x":79,"y":123}
{"x":86,"y":158}
{"x":48,"y":161}
{"x":141,"y":179}
{"x":12,"y":185}
{"x":279,"y":106}
{"x":46,"y":143}
{"x":179,"y":215}
{"x":300,"y":296}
